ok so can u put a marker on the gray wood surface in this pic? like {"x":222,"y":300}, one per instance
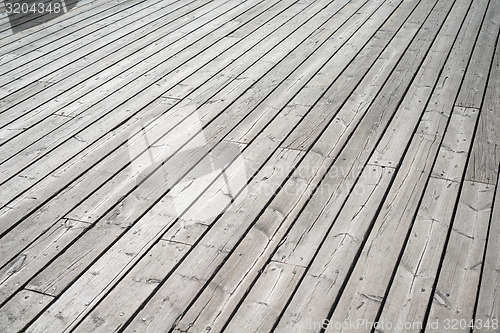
{"x":251,"y":166}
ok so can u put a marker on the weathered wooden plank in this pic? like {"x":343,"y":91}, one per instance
{"x":123,"y":300}
{"x":209,"y":108}
{"x":35,"y":150}
{"x":488,"y":302}
{"x":474,"y":84}
{"x":21,"y":309}
{"x":214,"y":306}
{"x":49,"y":160}
{"x":122,"y":87}
{"x":410,"y":291}
{"x":373,"y":269}
{"x":365,"y":51}
{"x":365,"y":93}
{"x":84,"y":7}
{"x":312,"y":301}
{"x":175,"y":42}
{"x":73,"y":168}
{"x":455,"y":294}
{"x":349,"y":165}
{"x":262,"y":306}
{"x":255,"y":151}
{"x":485,"y":155}
{"x":230,"y":86}
{"x":456,"y":144}
{"x":407,"y":118}
{"x":147,"y":18}
{"x":19,"y":270}
{"x":92,"y":20}
{"x":339,"y":30}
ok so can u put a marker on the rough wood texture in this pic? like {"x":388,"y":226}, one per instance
{"x":250,"y":165}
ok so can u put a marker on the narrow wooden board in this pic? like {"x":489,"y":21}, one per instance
{"x":143,"y":279}
{"x":337,"y":32}
{"x":21,"y":309}
{"x":16,"y":273}
{"x":312,"y":301}
{"x":411,"y":289}
{"x":456,"y":144}
{"x":136,"y":212}
{"x":488,"y":302}
{"x":208,"y":107}
{"x":474,"y":85}
{"x":407,"y":118}
{"x":262,"y":306}
{"x":372,"y":272}
{"x":485,"y":155}
{"x":122,"y":88}
{"x":213,"y":307}
{"x":83,"y":8}
{"x":455,"y":294}
{"x":348,"y":166}
{"x":163,"y":17}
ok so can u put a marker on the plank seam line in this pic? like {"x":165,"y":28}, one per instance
{"x":287,"y":264}
{"x":38,"y":292}
{"x":76,"y":220}
{"x":380,"y":166}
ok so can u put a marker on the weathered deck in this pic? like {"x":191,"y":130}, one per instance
{"x":251,"y":166}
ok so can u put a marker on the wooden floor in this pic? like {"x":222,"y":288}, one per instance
{"x":251,"y":166}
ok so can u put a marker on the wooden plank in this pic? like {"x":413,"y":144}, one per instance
{"x":44,"y":141}
{"x":361,"y":99}
{"x":407,"y":118}
{"x":349,"y":165}
{"x":372,"y":266}
{"x":411,"y":289}
{"x":7,"y":38}
{"x":16,"y":273}
{"x":262,"y":306}
{"x":21,"y":309}
{"x":214,"y":274}
{"x":185,"y":232}
{"x":383,"y":244}
{"x":312,"y":300}
{"x":71,"y":169}
{"x":70,"y":145}
{"x":376,"y":42}
{"x":475,"y":80}
{"x":83,"y":139}
{"x":456,"y":144}
{"x":96,"y":16}
{"x":488,"y":302}
{"x":339,"y":30}
{"x":121,"y":302}
{"x":214,"y":306}
{"x":455,"y":294}
{"x":141,"y":48}
{"x":125,"y":214}
{"x":485,"y":156}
